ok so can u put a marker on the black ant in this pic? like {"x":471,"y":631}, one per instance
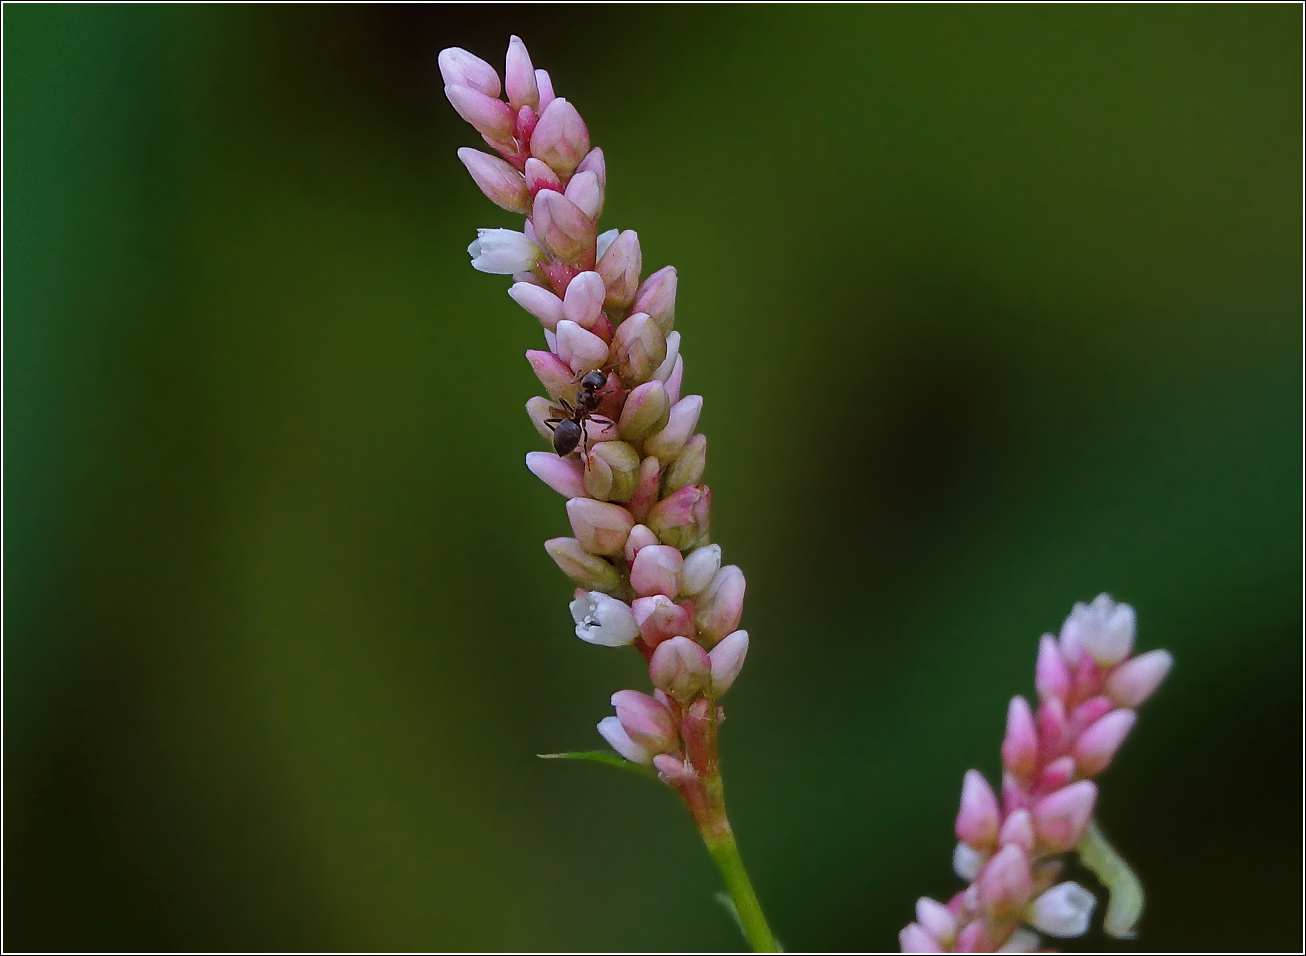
{"x":572,"y":431}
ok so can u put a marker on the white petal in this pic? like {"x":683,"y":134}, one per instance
{"x":1064,"y":910}
{"x":617,"y":738}
{"x":605,"y":240}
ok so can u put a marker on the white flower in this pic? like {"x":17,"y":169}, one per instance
{"x":616,"y":736}
{"x":1062,"y":911}
{"x":604,"y":620}
{"x":1104,"y":628}
{"x":503,"y":251}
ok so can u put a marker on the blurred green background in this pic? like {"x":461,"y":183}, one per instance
{"x":993,"y":309}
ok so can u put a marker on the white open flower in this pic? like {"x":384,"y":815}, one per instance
{"x":1062,"y":911}
{"x":1104,"y":628}
{"x":503,"y":251}
{"x":604,"y":620}
{"x":619,"y":740}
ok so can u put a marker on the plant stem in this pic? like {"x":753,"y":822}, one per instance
{"x":720,"y":840}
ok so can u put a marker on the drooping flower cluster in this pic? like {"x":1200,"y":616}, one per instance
{"x":639,"y":553}
{"x":1011,"y":851}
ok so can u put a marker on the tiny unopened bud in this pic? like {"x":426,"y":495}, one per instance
{"x":968,"y":861}
{"x":728,"y":660}
{"x":700,"y":567}
{"x":1051,"y":672}
{"x":461,"y":68}
{"x":519,"y":76}
{"x":646,"y":410}
{"x":656,"y":570}
{"x":1020,"y":745}
{"x":560,"y":138}
{"x":492,"y":118}
{"x":1061,"y":818}
{"x":1136,"y":680}
{"x":603,"y":620}
{"x":583,"y":302}
{"x":584,"y":190}
{"x":688,"y":467}
{"x":668,"y":443}
{"x":554,"y":374}
{"x":681,"y":520}
{"x":619,"y":265}
{"x":1063,"y":911}
{"x":1004,"y":883}
{"x":914,"y":939}
{"x":657,"y":297}
{"x":1050,"y":718}
{"x":719,"y":607}
{"x":545,"y":86}
{"x":604,"y":240}
{"x":663,"y":371}
{"x":539,"y":409}
{"x":1014,"y":795}
{"x":537,"y":175}
{"x":502,"y":185}
{"x":611,"y":730}
{"x":1057,"y":774}
{"x":646,"y":721}
{"x":561,"y":227}
{"x":1018,"y":828}
{"x":641,"y":537}
{"x":600,"y":526}
{"x":503,"y":252}
{"x":675,"y":379}
{"x":539,"y":302}
{"x":563,"y":475}
{"x":588,"y":570}
{"x":646,"y":490}
{"x":936,"y":919}
{"x":1097,"y":745}
{"x":638,"y":348}
{"x":580,"y":349}
{"x":659,"y":619}
{"x":594,"y":163}
{"x":978,"y":817}
{"x":680,"y":667}
{"x":611,"y":470}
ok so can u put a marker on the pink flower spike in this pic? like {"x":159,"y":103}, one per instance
{"x":657,"y":298}
{"x":646,"y":410}
{"x":584,"y":190}
{"x":600,"y":526}
{"x":656,"y":570}
{"x":700,"y":567}
{"x":915,"y":939}
{"x":668,"y":443}
{"x":674,"y":380}
{"x":563,"y":475}
{"x":1005,"y":883}
{"x":659,"y":619}
{"x":560,"y":137}
{"x":1064,"y":911}
{"x":1051,"y":673}
{"x":460,"y":68}
{"x":562,"y":228}
{"x":721,"y":604}
{"x":728,"y":660}
{"x":583,"y":303}
{"x":978,"y":817}
{"x":638,"y":348}
{"x":1018,"y":829}
{"x":502,"y":185}
{"x":554,"y":374}
{"x":1055,"y":775}
{"x":580,"y":349}
{"x":585,"y":569}
{"x":492,"y":118}
{"x":1134,"y":681}
{"x":1061,"y":818}
{"x":1104,"y":629}
{"x":680,"y":668}
{"x":1020,"y":745}
{"x":519,"y":76}
{"x":537,"y":175}
{"x":545,"y":87}
{"x":541,"y":303}
{"x":646,"y":721}
{"x":640,"y":538}
{"x":603,"y":620}
{"x":936,"y":920}
{"x":1097,"y":745}
{"x":611,"y":730}
{"x":619,"y":266}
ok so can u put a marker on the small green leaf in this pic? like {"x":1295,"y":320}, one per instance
{"x":728,"y":901}
{"x":601,"y":756}
{"x":1125,"y":904}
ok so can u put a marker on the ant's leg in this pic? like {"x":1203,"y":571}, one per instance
{"x":553,"y":423}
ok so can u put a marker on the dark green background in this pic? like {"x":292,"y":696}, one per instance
{"x":993,"y":308}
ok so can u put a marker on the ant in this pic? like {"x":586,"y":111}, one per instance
{"x":572,"y":431}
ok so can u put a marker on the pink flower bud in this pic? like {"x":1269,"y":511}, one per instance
{"x":594,"y":163}
{"x":519,"y":76}
{"x":541,"y":303}
{"x":545,"y":86}
{"x":460,"y":68}
{"x":502,"y":185}
{"x":1098,"y":744}
{"x":640,"y":538}
{"x":656,"y":570}
{"x":671,"y":769}
{"x":646,"y":490}
{"x":663,"y":372}
{"x":1005,"y":882}
{"x":563,"y":475}
{"x":968,"y":861}
{"x":936,"y":920}
{"x":675,"y":379}
{"x":1055,"y":775}
{"x":587,"y":570}
{"x":1061,"y":818}
{"x":619,"y":265}
{"x":974,"y":938}
{"x":560,"y":137}
{"x":680,"y":667}
{"x":978,"y":817}
{"x":561,"y":228}
{"x":1104,"y":629}
{"x":1018,"y":829}
{"x":668,"y":443}
{"x":1014,"y":796}
{"x":914,"y":939}
{"x":1051,"y":722}
{"x":580,"y":349}
{"x":688,"y":467}
{"x":1136,"y":680}
{"x":657,"y":297}
{"x":646,"y":410}
{"x":538,"y":176}
{"x":728,"y":660}
{"x":492,"y":118}
{"x":603,"y":620}
{"x":611,"y":470}
{"x":503,"y":252}
{"x":583,"y":303}
{"x":539,"y":409}
{"x":721,"y":604}
{"x":1064,"y":911}
{"x":1051,"y":673}
{"x":584,"y":190}
{"x":554,"y":374}
{"x":600,"y":527}
{"x":646,"y":721}
{"x":1020,"y":745}
{"x":605,"y":240}
{"x":660,"y":619}
{"x":612,"y":731}
{"x":1088,"y":713}
{"x":700,"y":567}
{"x":638,"y":348}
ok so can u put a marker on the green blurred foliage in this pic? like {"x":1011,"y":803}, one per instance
{"x":993,"y":308}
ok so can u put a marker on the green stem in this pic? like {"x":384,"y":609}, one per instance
{"x":726,"y":853}
{"x":1125,"y":903}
